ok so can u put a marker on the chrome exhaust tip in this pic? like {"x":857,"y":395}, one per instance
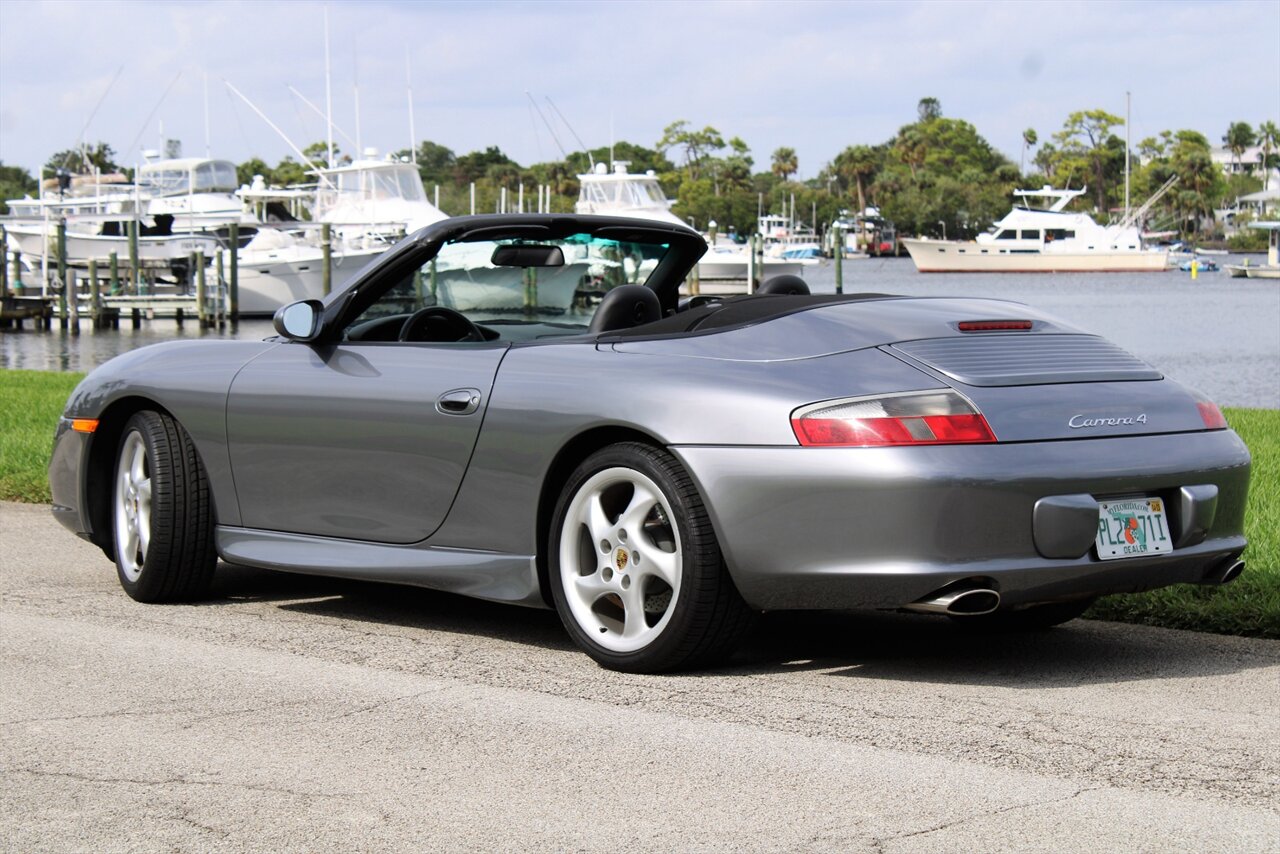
{"x":971,"y":601}
{"x":1232,"y":572}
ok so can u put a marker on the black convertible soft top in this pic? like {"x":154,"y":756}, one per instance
{"x":734,"y":312}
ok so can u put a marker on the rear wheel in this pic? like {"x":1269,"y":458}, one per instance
{"x":636,"y":572}
{"x":1029,"y":619}
{"x":162,"y":512}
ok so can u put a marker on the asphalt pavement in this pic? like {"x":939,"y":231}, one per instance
{"x":291,"y":713}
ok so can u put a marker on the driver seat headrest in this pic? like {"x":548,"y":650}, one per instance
{"x":624,"y":307}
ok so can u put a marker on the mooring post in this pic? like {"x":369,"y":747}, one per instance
{"x":839,"y":256}
{"x":17,"y":272}
{"x":202,"y":309}
{"x":191,"y":271}
{"x":219,"y":284}
{"x":62,"y":272}
{"x":135,"y":318}
{"x":115,"y":273}
{"x":179,"y":316}
{"x":695,"y":283}
{"x":95,"y":294}
{"x":133,"y":256}
{"x":325,"y":231}
{"x":233,"y":286}
{"x":4,"y":262}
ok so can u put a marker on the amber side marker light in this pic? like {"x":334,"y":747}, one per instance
{"x":84,"y":425}
{"x":995,"y":325}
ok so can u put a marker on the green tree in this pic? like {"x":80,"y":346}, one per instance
{"x":855,"y":165}
{"x":253,"y":166}
{"x":1029,"y":140}
{"x":1269,"y":138}
{"x":1238,"y":137}
{"x":475,"y":165}
{"x":15,"y":182}
{"x":1086,"y":146}
{"x":288,"y":171}
{"x":785,"y":164}
{"x":82,"y":161}
{"x":697,"y":145}
{"x":929,"y":109}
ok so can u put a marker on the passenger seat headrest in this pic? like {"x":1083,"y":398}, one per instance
{"x":784,"y":285}
{"x":624,"y":307}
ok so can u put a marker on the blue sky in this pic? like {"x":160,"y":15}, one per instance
{"x":813,"y":75}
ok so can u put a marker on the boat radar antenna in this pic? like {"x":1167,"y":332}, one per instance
{"x":590,"y":159}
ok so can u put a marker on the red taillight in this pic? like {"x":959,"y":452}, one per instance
{"x":1211,"y":415}
{"x":920,"y":418}
{"x":995,"y":325}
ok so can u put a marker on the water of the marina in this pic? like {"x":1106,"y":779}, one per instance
{"x":1218,"y":334}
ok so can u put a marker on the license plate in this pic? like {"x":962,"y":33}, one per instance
{"x":1132,"y":527}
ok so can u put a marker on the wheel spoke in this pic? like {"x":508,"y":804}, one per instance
{"x":591,"y":587}
{"x":664,"y":565}
{"x":633,"y":607}
{"x":597,"y":520}
{"x":633,"y":518}
{"x":137,"y":466}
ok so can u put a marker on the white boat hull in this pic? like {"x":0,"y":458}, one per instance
{"x":266,"y":284}
{"x":83,"y":248}
{"x":952,"y":256}
{"x":1263,"y":272}
{"x":494,"y":289}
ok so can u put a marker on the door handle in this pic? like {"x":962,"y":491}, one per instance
{"x":460,"y":401}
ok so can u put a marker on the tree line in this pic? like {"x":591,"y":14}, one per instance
{"x":935,"y":174}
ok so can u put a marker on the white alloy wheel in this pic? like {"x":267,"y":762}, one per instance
{"x":133,"y":506}
{"x":620,"y":559}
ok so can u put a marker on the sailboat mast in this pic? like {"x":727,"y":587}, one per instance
{"x":1127,"y":132}
{"x":207,"y":149}
{"x":408,"y":82}
{"x":328,"y":89}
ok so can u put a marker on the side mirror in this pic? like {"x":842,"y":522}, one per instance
{"x":299,"y":321}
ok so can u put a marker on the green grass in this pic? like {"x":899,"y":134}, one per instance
{"x":31,"y":401}
{"x":1250,"y":605}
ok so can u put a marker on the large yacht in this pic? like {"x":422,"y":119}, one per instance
{"x":1041,"y":240}
{"x":372,"y":194}
{"x":622,"y":193}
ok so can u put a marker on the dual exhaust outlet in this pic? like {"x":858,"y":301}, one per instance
{"x":974,"y":601}
{"x":969,"y":601}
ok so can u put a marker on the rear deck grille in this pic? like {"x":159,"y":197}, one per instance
{"x":1011,"y":359}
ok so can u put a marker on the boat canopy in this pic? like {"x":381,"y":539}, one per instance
{"x":377,"y":179}
{"x":188,"y":175}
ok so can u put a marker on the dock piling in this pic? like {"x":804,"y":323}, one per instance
{"x":95,"y":294}
{"x":115,"y":273}
{"x":133,"y":256}
{"x":838,"y":254}
{"x":17,"y":272}
{"x":62,"y":272}
{"x":326,"y":231}
{"x":233,"y":286}
{"x":4,"y":262}
{"x":202,"y":302}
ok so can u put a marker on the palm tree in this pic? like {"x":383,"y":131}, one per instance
{"x":785,"y":163}
{"x":1269,"y":138}
{"x":1029,"y":140}
{"x":1238,"y":137}
{"x":855,"y":164}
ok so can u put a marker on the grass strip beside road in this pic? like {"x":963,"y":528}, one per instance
{"x":31,"y":401}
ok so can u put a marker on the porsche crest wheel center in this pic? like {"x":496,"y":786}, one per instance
{"x":620,"y":559}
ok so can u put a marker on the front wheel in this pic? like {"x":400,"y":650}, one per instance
{"x":162,"y":512}
{"x":636,"y":572}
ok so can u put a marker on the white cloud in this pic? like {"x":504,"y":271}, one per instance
{"x":816,"y":76}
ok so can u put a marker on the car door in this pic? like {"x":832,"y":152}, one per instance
{"x":364,"y":441}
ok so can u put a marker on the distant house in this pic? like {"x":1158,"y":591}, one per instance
{"x":1249,"y":162}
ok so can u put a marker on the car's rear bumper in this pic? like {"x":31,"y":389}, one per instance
{"x":881,"y":528}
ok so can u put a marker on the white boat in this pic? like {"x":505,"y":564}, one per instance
{"x":1269,"y":270}
{"x":373,"y":196}
{"x":276,"y":268}
{"x":726,"y":260}
{"x":83,"y":248}
{"x":621,"y":193}
{"x":198,"y":192}
{"x":1042,"y":240}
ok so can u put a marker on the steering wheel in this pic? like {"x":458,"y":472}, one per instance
{"x":437,"y":323}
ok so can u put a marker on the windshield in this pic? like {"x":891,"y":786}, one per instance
{"x":384,"y":182}
{"x":512,"y":303}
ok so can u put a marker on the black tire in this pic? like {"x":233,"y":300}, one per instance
{"x":173,"y":561}
{"x":704,"y":618}
{"x":1034,"y":618}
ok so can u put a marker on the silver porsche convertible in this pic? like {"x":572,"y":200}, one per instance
{"x":525,"y":409}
